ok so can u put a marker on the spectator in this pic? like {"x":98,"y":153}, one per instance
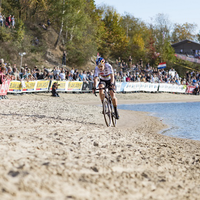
{"x":48,"y":22}
{"x":81,"y":76}
{"x":2,"y":73}
{"x":44,"y":27}
{"x":130,"y":62}
{"x":36,"y":41}
{"x":13,"y":21}
{"x":85,"y":78}
{"x":54,"y":90}
{"x":64,"y":58}
{"x":1,"y":20}
{"x":62,"y":75}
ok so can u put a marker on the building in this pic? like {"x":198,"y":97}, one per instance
{"x":187,"y":47}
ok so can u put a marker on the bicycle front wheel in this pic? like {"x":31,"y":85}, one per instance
{"x":107,"y":112}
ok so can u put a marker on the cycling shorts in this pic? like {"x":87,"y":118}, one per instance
{"x":106,"y":83}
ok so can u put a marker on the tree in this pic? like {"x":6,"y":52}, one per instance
{"x":137,"y":34}
{"x":114,"y":40}
{"x":183,"y":32}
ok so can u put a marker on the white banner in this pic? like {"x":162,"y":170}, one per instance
{"x":166,"y":87}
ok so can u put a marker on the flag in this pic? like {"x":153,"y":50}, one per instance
{"x":162,"y":65}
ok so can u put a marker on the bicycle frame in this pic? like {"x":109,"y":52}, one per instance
{"x":108,"y":110}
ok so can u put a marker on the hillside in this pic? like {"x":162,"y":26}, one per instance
{"x":43,"y":54}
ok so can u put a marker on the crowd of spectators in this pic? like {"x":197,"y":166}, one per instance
{"x":8,"y":22}
{"x":124,"y":72}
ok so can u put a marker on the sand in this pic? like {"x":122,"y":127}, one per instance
{"x":59,"y":148}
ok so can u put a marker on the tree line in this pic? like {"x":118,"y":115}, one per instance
{"x":85,"y":29}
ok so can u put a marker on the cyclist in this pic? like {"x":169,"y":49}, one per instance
{"x":105,"y":72}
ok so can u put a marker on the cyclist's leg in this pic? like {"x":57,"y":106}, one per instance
{"x":114,"y":101}
{"x":101,"y":92}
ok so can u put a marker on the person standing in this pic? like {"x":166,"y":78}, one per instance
{"x":129,"y":62}
{"x":13,"y":21}
{"x":64,"y":58}
{"x":1,"y":20}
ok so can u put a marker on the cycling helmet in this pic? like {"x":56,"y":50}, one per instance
{"x":100,"y":60}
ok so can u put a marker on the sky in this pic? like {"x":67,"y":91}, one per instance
{"x":177,"y":11}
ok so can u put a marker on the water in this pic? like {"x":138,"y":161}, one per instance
{"x":183,"y":119}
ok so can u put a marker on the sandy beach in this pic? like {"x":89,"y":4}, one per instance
{"x":59,"y":149}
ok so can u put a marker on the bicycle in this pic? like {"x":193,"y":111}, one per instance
{"x":108,"y":109}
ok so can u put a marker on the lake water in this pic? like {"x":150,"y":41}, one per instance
{"x":183,"y":119}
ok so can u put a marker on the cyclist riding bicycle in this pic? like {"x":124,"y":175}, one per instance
{"x":105,"y":72}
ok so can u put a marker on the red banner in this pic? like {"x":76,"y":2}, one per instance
{"x":4,"y":87}
{"x":190,"y":89}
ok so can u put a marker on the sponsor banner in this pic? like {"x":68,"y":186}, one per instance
{"x":183,"y":57}
{"x":128,"y":87}
{"x":174,"y":88}
{"x":123,"y":85}
{"x":190,"y":89}
{"x":4,"y":87}
{"x":132,"y":87}
{"x":118,"y":87}
{"x":87,"y":86}
{"x":146,"y":87}
{"x":15,"y":87}
{"x":166,"y":87}
{"x":142,"y":86}
{"x":62,"y":85}
{"x":42,"y":85}
{"x":151,"y":87}
{"x":75,"y":86}
{"x":29,"y":86}
{"x":182,"y":88}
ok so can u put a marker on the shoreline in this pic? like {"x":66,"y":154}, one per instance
{"x":58,"y":148}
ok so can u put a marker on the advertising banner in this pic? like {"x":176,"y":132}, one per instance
{"x":15,"y":87}
{"x":42,"y":85}
{"x":123,"y":85}
{"x":182,"y":88}
{"x":190,"y":89}
{"x":142,"y":86}
{"x":75,"y":86}
{"x":4,"y":87}
{"x":165,"y":87}
{"x":29,"y":86}
{"x":87,"y":86}
{"x":62,"y":85}
{"x":131,"y":87}
{"x":152,"y":87}
{"x":118,"y":86}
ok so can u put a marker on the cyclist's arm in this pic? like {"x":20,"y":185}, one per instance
{"x":95,"y":82}
{"x":112,"y":78}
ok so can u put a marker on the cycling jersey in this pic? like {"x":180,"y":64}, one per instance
{"x":104,"y":74}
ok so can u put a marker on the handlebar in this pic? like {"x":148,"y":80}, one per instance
{"x":110,"y":88}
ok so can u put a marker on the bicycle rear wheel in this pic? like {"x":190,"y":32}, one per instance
{"x":107,"y":112}
{"x":114,"y":120}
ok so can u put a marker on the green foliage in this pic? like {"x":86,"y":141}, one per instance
{"x":20,"y":31}
{"x":5,"y":34}
{"x":84,"y":29}
{"x":183,"y":32}
{"x":114,"y":40}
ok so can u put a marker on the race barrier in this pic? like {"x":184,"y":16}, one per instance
{"x":190,"y":89}
{"x":80,"y":86}
{"x":4,"y":87}
{"x":166,"y":87}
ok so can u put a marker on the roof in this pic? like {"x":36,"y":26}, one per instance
{"x":185,"y":42}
